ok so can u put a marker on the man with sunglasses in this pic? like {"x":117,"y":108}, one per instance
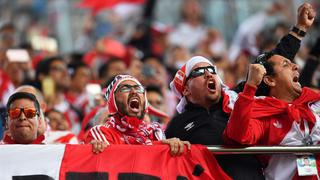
{"x":23,"y":119}
{"x":286,"y":115}
{"x":127,"y":105}
{"x":204,"y":109}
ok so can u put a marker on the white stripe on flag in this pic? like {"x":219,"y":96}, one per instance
{"x":18,"y":160}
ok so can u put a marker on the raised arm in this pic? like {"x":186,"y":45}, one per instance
{"x":242,"y":127}
{"x":290,"y":44}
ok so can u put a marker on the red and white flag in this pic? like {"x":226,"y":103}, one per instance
{"x":98,"y":5}
{"x":67,"y":162}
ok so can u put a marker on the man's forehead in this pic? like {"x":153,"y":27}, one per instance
{"x":21,"y":102}
{"x":278,"y":59}
{"x":130,"y":82}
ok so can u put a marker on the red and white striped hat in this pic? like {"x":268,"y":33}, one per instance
{"x":179,"y":80}
{"x":110,"y":92}
{"x":111,"y":102}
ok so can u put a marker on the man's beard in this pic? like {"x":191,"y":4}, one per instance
{"x":124,"y":111}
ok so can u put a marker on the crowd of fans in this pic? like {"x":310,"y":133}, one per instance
{"x":148,"y":90}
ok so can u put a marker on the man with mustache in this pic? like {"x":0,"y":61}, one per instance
{"x":127,"y":105}
{"x":204,"y":109}
{"x":24,"y":119}
{"x":285,"y":115}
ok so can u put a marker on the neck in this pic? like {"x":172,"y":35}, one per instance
{"x":24,"y":139}
{"x":287,"y":97}
{"x":207,"y":104}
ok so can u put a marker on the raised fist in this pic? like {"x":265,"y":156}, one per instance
{"x":256,"y":73}
{"x":306,"y":16}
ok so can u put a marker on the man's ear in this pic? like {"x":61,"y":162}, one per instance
{"x":186,"y":91}
{"x":268,"y":80}
{"x":40,"y":121}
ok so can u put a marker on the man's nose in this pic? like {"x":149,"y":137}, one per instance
{"x":295,"y":66}
{"x":133,"y":90}
{"x":22,"y":116}
{"x":207,"y":74}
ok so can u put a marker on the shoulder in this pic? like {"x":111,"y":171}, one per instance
{"x":102,"y":133}
{"x":102,"y":129}
{"x":178,"y":120}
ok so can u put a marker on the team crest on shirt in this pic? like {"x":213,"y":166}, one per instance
{"x":277,"y":124}
{"x":189,"y":126}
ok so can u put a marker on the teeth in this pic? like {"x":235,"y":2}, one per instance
{"x":134,"y":100}
{"x":295,"y":78}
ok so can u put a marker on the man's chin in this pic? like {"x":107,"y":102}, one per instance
{"x":24,"y":138}
{"x":297,"y":88}
{"x":214,"y":97}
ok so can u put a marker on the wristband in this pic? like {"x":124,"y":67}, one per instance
{"x":298,"y":31}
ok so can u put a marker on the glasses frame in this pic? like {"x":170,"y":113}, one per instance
{"x":24,"y":112}
{"x":130,"y":88}
{"x":195,"y":73}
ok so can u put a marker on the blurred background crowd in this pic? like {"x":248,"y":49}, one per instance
{"x":70,"y":50}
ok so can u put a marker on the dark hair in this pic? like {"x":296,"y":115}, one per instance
{"x":72,"y":68}
{"x":263,"y":59}
{"x":154,"y":88}
{"x":43,"y":66}
{"x":103,"y":70}
{"x":23,"y":95}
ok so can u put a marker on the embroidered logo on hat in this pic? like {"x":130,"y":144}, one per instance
{"x":180,"y":76}
{"x":179,"y":79}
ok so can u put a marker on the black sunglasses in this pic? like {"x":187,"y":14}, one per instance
{"x":200,"y":71}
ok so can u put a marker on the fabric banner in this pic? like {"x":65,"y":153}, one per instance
{"x":30,"y":161}
{"x":69,"y":162}
{"x":98,"y":5}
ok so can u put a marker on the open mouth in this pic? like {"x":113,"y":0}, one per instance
{"x":295,"y":79}
{"x":134,"y":104}
{"x":211,"y":85}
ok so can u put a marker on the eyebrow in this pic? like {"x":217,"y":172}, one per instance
{"x":286,"y":61}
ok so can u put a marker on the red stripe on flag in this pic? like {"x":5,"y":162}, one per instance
{"x":145,"y":160}
{"x":97,"y":5}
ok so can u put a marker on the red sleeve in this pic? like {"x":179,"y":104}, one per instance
{"x":157,"y":142}
{"x":241,"y":127}
{"x":102,"y":133}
